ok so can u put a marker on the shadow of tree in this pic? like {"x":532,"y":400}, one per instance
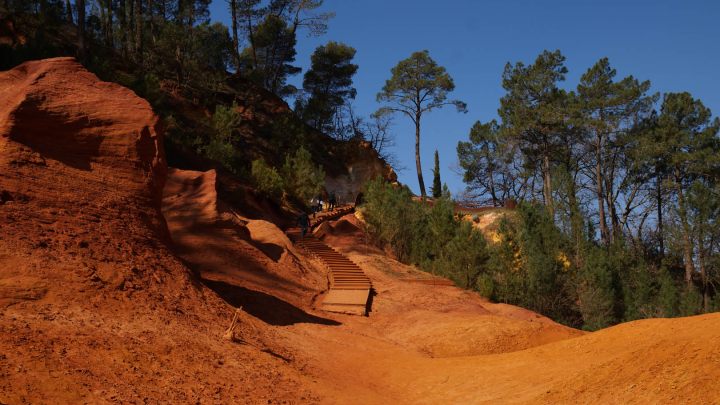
{"x":269,"y":309}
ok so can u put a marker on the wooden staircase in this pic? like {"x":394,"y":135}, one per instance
{"x":350,"y":288}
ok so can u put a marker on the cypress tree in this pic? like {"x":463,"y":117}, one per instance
{"x":437,"y":185}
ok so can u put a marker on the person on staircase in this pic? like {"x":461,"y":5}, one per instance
{"x":303,"y":223}
{"x":314,"y":203}
{"x":332,"y":201}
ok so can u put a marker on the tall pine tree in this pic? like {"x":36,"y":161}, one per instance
{"x":418,"y":85}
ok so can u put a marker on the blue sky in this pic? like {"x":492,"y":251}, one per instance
{"x":674,"y":44}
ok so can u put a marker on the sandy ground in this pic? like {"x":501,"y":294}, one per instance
{"x":426,"y":343}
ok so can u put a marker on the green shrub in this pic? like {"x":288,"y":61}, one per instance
{"x":430,"y":237}
{"x":691,"y":301}
{"x":267,"y":179}
{"x":596,"y":292}
{"x":392,"y":217}
{"x":303,"y":179}
{"x":465,"y":256}
{"x":668,"y":300}
{"x":225,"y":121}
{"x":639,"y":293}
{"x":221,"y":146}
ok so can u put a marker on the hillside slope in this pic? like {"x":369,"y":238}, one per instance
{"x":94,"y":308}
{"x":425,"y":343}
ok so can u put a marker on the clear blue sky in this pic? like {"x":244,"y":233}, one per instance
{"x":674,"y":44}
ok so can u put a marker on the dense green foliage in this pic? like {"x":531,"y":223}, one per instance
{"x":431,"y":237}
{"x":267,"y":179}
{"x":299,"y":178}
{"x":328,"y":86}
{"x":302,"y":178}
{"x":631,"y":192}
{"x":220,"y":148}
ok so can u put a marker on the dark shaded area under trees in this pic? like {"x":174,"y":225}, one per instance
{"x":218,"y":90}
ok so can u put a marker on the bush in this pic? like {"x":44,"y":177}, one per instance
{"x":225,"y":121}
{"x":303,"y":180}
{"x":668,"y":300}
{"x":267,"y":179}
{"x":464,"y":258}
{"x":221,"y":146}
{"x":528,"y":266}
{"x":432,"y":238}
{"x":639,"y":293}
{"x":691,"y":301}
{"x":596,"y":291}
{"x":392,"y":218}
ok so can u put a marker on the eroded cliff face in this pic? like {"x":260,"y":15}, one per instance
{"x":94,"y":305}
{"x":82,"y":173}
{"x":362,"y":164}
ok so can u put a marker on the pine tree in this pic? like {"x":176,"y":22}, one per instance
{"x":483,"y":163}
{"x":418,"y":85}
{"x":690,"y":145}
{"x":328,"y":84}
{"x":532,"y":114}
{"x":604,"y":107}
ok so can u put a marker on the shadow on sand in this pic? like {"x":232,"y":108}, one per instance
{"x":269,"y":309}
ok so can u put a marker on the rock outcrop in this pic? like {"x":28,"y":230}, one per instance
{"x":94,"y":307}
{"x":362,"y":165}
{"x":82,"y":174}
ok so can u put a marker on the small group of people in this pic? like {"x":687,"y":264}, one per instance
{"x":316,"y":205}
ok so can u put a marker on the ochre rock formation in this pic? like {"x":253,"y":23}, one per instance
{"x":82,"y":174}
{"x":94,"y":307}
{"x":363,"y":164}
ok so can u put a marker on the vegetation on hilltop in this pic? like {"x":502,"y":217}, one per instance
{"x":619,"y":199}
{"x":218,"y":90}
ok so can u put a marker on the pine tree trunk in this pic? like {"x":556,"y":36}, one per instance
{"x":493,"y":193}
{"x":547,"y":185}
{"x":236,"y":41}
{"x":687,"y":242}
{"x":576,"y":221}
{"x":68,"y":9}
{"x":251,"y":37}
{"x":659,"y":214}
{"x":109,"y":30}
{"x":191,"y":14}
{"x":604,"y":234}
{"x":421,"y":183}
{"x":81,"y":28}
{"x":151,"y":19}
{"x":103,"y":21}
{"x":122,"y":19}
{"x":138,"y":32}
{"x":616,"y":232}
{"x":703,"y":272}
